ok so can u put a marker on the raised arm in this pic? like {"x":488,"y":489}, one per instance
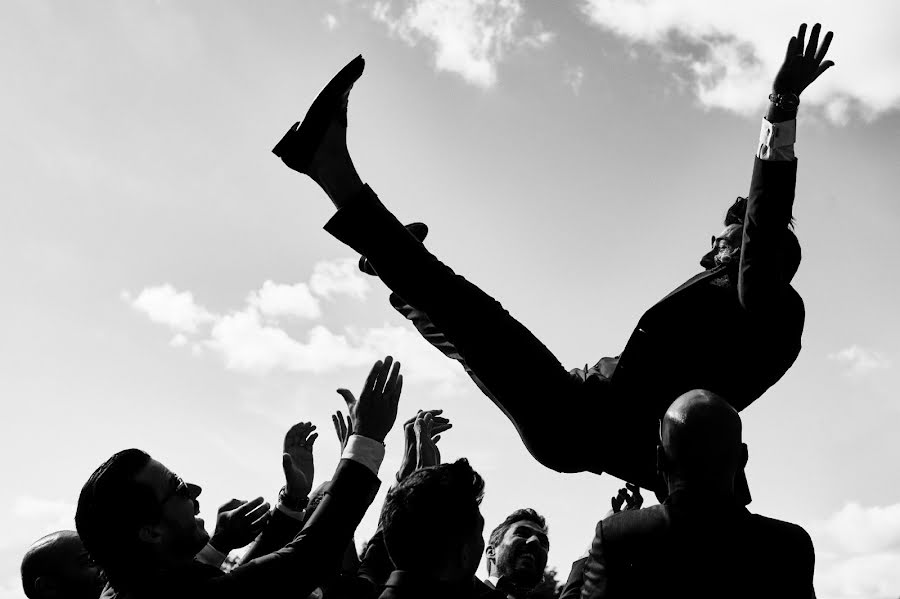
{"x":770,"y":252}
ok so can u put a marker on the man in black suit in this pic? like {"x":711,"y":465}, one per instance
{"x":432,"y":526}
{"x":516,"y":553}
{"x":138,"y":519}
{"x":734,"y":328}
{"x":701,"y":542}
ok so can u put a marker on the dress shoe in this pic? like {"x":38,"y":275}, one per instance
{"x":418,"y":230}
{"x":300,"y":143}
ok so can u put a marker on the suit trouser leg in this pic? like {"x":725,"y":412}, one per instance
{"x":567,"y":424}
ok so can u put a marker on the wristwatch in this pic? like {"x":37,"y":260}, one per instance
{"x":788,"y":101}
{"x":295,"y":505}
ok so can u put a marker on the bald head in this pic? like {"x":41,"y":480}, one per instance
{"x":57,"y":565}
{"x":701,"y":438}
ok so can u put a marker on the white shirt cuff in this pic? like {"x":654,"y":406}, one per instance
{"x":295,"y":514}
{"x":366,"y":451}
{"x":212,"y":556}
{"x":776,"y":140}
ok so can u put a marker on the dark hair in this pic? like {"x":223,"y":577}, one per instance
{"x":523,"y":515}
{"x":111,"y":508}
{"x":42,"y":559}
{"x":447,"y":495}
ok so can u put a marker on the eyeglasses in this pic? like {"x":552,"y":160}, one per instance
{"x":182,"y":489}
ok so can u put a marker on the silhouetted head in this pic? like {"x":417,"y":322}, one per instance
{"x":135,"y":516}
{"x":58,"y":565}
{"x":517,"y":548}
{"x":432,"y":522}
{"x":700,"y":443}
{"x":726,"y":246}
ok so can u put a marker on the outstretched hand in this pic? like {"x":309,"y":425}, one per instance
{"x":375,"y":411}
{"x":426,"y":441}
{"x":238,"y":523}
{"x":297,"y":459}
{"x":343,"y":429}
{"x":410,"y":451}
{"x":800,"y":68}
{"x":630,"y":496}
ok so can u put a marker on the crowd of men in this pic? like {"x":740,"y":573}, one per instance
{"x":664,"y":415}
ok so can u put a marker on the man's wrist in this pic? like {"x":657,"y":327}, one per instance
{"x":295,"y":501}
{"x":777,"y":114}
{"x":222,"y":546}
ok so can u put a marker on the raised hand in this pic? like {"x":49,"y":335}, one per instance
{"x":630,"y":496}
{"x":410,"y":450}
{"x":342,"y":429}
{"x":297,"y":460}
{"x":238,"y":523}
{"x":802,"y":67}
{"x":426,"y":441}
{"x":375,"y":411}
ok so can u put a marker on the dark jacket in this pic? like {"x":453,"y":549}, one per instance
{"x":295,"y":569}
{"x":408,"y":585}
{"x":691,"y":547}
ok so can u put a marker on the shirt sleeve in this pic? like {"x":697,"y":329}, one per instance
{"x":366,"y":451}
{"x":776,"y":140}
{"x":211,"y":556}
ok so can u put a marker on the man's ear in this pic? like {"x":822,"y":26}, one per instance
{"x":45,"y":586}
{"x":662,"y":460}
{"x":150,"y":533}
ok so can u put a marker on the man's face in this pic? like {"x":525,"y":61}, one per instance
{"x":180,"y":530}
{"x":522,"y":553}
{"x":724,"y":246}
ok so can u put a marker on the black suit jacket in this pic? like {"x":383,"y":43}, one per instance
{"x":408,"y":585}
{"x":295,"y":569}
{"x":689,"y":547}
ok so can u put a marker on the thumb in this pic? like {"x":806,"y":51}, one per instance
{"x":348,"y":397}
{"x":287,"y":462}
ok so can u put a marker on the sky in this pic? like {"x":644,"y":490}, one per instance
{"x":168,"y":284}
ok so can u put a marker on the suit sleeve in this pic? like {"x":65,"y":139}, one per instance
{"x":573,"y":586}
{"x":315,"y":552}
{"x":595,"y":581}
{"x":280,"y":530}
{"x":761,"y":278}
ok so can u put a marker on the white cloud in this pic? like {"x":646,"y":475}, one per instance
{"x":165,"y":305}
{"x":859,"y":529}
{"x":470,"y":37}
{"x":861,"y":361}
{"x":733,"y":50}
{"x":339,"y":277}
{"x":573,"y":77}
{"x":274,"y":300}
{"x":330,"y":21}
{"x":865,"y":561}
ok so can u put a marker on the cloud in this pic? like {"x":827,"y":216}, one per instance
{"x":275,"y":300}
{"x":573,"y":77}
{"x":252,"y":340}
{"x":469,"y":37}
{"x":330,"y":21}
{"x":732,"y":50}
{"x":35,"y":517}
{"x":861,"y":361}
{"x":866,"y":561}
{"x":165,"y":305}
{"x":339,"y":277}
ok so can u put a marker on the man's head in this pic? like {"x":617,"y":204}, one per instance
{"x":58,"y":565}
{"x":517,"y":548}
{"x":726,"y":246}
{"x":134,"y":515}
{"x":700,"y":443}
{"x":432,"y":522}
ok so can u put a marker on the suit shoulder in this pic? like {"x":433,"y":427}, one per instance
{"x":781,"y":532}
{"x":635,"y":524}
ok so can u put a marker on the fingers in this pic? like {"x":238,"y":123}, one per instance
{"x":813,"y":41}
{"x":823,"y":49}
{"x":312,"y":439}
{"x":287,"y":463}
{"x":801,"y":39}
{"x":348,"y":396}
{"x":435,"y":439}
{"x":373,"y":376}
{"x":823,"y":67}
{"x":383,"y":373}
{"x":251,"y":506}
{"x":299,"y":435}
{"x":230,"y":505}
{"x":259,"y":512}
